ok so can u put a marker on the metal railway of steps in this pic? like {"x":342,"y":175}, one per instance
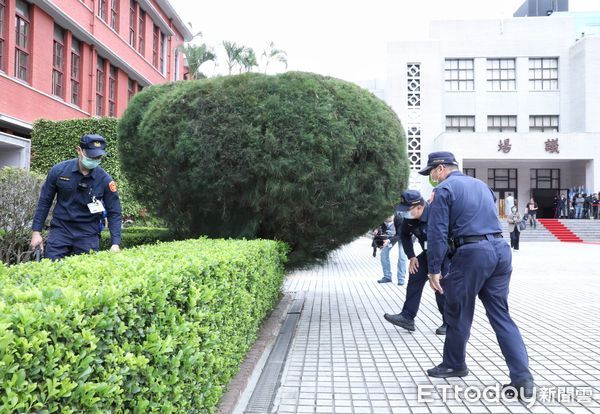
{"x":586,"y":230}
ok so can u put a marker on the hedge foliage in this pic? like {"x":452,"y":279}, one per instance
{"x":137,"y":236}
{"x":156,"y":329}
{"x":55,"y":141}
{"x":310,"y":160}
{"x":19,"y":193}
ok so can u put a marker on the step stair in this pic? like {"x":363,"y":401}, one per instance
{"x":568,"y":230}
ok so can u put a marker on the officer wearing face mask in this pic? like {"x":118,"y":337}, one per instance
{"x":463,"y":218}
{"x":83,"y":192}
{"x":415,"y":211}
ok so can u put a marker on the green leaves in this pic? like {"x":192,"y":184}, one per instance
{"x":310,"y":160}
{"x":152,"y":329}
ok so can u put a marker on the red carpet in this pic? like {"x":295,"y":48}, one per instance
{"x":559,"y":230}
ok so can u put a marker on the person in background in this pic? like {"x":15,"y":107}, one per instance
{"x":564,"y":208}
{"x":587,"y":206}
{"x":392,"y":224}
{"x":579,"y":201}
{"x":509,"y":203}
{"x":595,"y":205}
{"x":513,"y":220}
{"x":532,"y":209}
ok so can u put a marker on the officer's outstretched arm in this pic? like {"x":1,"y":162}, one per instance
{"x":45,"y":201}
{"x":113,"y":214}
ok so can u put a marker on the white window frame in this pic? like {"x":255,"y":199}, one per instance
{"x":543,"y":74}
{"x":459,"y":75}
{"x":460,"y":123}
{"x":501,"y":74}
{"x":502,"y":123}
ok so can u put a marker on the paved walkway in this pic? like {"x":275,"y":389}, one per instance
{"x":345,"y":358}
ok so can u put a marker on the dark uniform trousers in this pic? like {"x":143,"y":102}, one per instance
{"x":67,"y":238}
{"x":482,"y":269}
{"x":414,"y":290}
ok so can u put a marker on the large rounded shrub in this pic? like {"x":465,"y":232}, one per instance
{"x":310,"y":160}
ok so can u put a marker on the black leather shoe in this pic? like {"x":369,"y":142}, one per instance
{"x":384,"y":280}
{"x":401,"y":321}
{"x":444,"y":372}
{"x":442,"y":329}
{"x":526,"y":390}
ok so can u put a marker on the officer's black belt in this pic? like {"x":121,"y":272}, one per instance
{"x":459,"y":241}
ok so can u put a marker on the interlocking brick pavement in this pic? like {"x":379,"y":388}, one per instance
{"x":345,"y":358}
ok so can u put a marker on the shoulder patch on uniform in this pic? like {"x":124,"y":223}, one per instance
{"x":112,"y":186}
{"x":64,"y":178}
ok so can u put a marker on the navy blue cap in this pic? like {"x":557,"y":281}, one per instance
{"x":437,"y":158}
{"x":409,"y":199}
{"x":94,"y":145}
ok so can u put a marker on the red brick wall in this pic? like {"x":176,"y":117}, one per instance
{"x":35,"y":100}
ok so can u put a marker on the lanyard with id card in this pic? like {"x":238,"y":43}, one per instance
{"x":95,"y":206}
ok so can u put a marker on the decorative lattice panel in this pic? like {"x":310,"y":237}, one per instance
{"x":413,"y":100}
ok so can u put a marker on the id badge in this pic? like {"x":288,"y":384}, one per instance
{"x":96,"y":207}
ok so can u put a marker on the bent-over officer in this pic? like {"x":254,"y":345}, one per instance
{"x":463,"y":211}
{"x":83,"y":191}
{"x":415,"y":211}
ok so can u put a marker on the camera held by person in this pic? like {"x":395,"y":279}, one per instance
{"x":379,"y":237}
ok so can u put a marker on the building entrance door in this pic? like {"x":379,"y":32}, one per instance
{"x":501,"y":200}
{"x":545,"y":201}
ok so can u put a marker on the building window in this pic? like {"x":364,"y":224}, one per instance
{"x":2,"y":36}
{"x":502,"y":178}
{"x":112,"y":91}
{"x":176,"y":74}
{"x":501,"y":75}
{"x":22,"y":41}
{"x":103,"y":9}
{"x":132,"y":22}
{"x":141,"y":30}
{"x":100,"y":87}
{"x":155,"y":46}
{"x":543,"y":74}
{"x":460,"y":123}
{"x":469,"y":171}
{"x":459,"y":75}
{"x":163,"y":52}
{"x":545,"y":178}
{"x":114,"y":20}
{"x":75,"y":72}
{"x":543,"y":123}
{"x":58,"y":62}
{"x":502,"y":123}
{"x":131,"y":87}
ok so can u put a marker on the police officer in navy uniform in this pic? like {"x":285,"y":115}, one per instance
{"x":415,"y":212}
{"x":463,"y":218}
{"x":83,"y":192}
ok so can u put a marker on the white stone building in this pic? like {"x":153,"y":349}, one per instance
{"x":516,"y":100}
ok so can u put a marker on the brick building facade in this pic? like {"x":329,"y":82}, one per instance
{"x":64,"y":59}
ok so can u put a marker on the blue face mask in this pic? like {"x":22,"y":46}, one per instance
{"x":407,"y":215}
{"x":90,"y":163}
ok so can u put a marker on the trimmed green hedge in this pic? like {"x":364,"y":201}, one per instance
{"x":138,"y":236}
{"x":55,"y":141}
{"x":307,"y":159}
{"x":154,"y":329}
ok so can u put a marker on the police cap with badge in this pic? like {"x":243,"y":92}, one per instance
{"x":94,"y":145}
{"x":438,"y":158}
{"x":409,"y":199}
